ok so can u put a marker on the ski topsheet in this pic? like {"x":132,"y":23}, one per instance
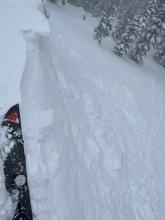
{"x":15,"y":165}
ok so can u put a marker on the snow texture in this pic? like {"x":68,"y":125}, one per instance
{"x":93,"y":126}
{"x":15,"y":18}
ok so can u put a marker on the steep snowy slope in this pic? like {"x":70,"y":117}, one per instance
{"x":93,"y":127}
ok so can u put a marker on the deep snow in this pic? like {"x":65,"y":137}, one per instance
{"x":15,"y":19}
{"x":93,"y":126}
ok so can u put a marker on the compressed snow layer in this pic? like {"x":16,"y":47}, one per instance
{"x":15,"y":18}
{"x":102,"y":157}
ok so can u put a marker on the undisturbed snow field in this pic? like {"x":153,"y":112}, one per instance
{"x":93,"y":126}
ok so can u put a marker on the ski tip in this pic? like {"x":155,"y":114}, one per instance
{"x":13,"y":115}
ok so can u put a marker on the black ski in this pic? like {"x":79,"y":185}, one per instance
{"x":15,"y":165}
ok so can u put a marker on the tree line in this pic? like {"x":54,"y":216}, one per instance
{"x":136,"y":26}
{"x":140,"y":28}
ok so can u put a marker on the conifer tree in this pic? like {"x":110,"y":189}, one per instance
{"x":159,"y":54}
{"x":104,"y":28}
{"x":98,"y":10}
{"x":125,"y":32}
{"x":152,"y":33}
{"x":121,"y":25}
{"x":130,"y":27}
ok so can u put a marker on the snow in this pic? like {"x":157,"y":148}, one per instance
{"x":14,"y":19}
{"x":93,"y":126}
{"x":30,"y":3}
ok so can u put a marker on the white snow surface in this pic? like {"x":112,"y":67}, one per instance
{"x":93,"y":126}
{"x":15,"y":18}
{"x":30,"y":3}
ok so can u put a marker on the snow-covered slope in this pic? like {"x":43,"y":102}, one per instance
{"x":102,"y":155}
{"x":93,"y":127}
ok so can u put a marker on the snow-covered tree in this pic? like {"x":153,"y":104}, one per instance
{"x":89,"y":5}
{"x":129,"y":27}
{"x":150,"y":38}
{"x":104,"y":28}
{"x":97,"y":11}
{"x":159,"y":54}
{"x":125,"y":32}
{"x":121,"y":25}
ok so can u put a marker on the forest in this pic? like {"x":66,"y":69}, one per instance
{"x":136,"y":26}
